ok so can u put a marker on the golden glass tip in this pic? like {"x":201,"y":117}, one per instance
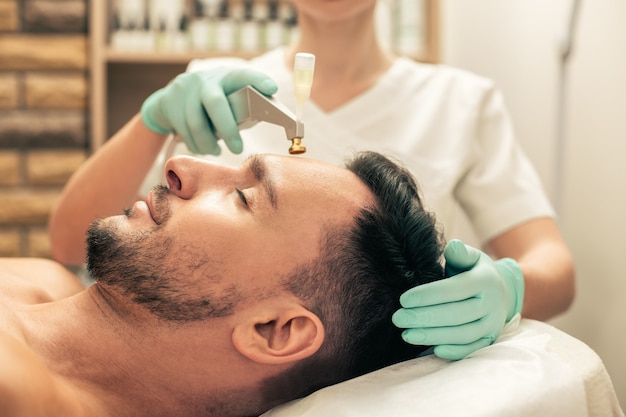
{"x":297,"y":147}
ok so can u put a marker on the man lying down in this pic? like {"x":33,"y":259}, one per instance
{"x":225,"y":293}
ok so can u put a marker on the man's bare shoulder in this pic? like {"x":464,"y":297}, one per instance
{"x":34,"y":280}
{"x":27,"y":387}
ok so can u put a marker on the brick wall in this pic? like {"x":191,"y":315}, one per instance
{"x":43,"y":115}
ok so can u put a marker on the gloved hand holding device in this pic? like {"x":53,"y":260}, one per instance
{"x":467,"y":311}
{"x":194,"y":106}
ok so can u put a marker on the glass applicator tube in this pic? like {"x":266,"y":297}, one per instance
{"x":303,"y":67}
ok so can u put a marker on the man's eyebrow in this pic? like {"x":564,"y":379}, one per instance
{"x":259,"y":170}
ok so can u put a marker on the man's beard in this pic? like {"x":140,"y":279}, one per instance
{"x":145,"y":267}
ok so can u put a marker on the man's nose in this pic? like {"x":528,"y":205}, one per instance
{"x":187,"y":175}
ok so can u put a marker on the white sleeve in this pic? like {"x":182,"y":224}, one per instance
{"x":501,"y":188}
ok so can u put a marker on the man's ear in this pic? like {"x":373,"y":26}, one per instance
{"x":279,"y":336}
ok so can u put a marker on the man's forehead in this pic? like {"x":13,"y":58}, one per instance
{"x":295,"y":163}
{"x":313,"y":173}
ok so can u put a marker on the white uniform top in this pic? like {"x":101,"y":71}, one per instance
{"x":448,"y":126}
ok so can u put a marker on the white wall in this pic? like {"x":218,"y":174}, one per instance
{"x":515,"y":42}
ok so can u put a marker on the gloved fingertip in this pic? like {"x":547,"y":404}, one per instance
{"x":415,"y":337}
{"x":412,"y":297}
{"x":234,"y":144}
{"x":455,"y":248}
{"x":403,"y":299}
{"x":398,"y":318}
{"x":268,"y":87}
{"x":460,"y":257}
{"x":444,"y":352}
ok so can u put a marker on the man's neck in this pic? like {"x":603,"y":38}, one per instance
{"x":127,"y":366}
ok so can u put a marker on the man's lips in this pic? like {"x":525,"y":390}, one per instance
{"x":150,"y":204}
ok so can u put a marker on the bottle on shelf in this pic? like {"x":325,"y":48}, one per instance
{"x":202,"y":27}
{"x":248,"y":29}
{"x":409,"y":27}
{"x":274,"y":26}
{"x":225,"y":29}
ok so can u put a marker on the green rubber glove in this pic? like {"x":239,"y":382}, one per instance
{"x":194,"y":106}
{"x":467,"y":311}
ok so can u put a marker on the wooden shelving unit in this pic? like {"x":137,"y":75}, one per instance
{"x":120,"y":81}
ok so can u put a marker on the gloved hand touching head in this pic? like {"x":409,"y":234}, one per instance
{"x":467,"y":311}
{"x":194,"y":106}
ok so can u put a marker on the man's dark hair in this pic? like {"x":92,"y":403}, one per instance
{"x":355,"y":284}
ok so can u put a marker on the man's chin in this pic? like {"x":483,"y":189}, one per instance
{"x":102,"y":246}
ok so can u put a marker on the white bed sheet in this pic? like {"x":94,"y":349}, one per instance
{"x":533,"y":370}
